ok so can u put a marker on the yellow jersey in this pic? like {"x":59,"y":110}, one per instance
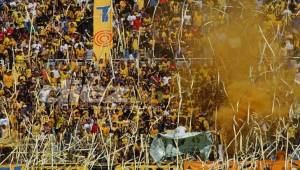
{"x":8,"y":80}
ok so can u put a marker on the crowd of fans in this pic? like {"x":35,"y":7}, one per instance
{"x":50,"y":82}
{"x":279,"y":13}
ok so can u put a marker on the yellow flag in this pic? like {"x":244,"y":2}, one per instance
{"x":103,"y":36}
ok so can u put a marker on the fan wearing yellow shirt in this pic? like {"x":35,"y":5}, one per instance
{"x":72,"y":28}
{"x":22,"y":78}
{"x":78,"y":15}
{"x":115,"y":118}
{"x":71,"y":15}
{"x":8,"y":80}
{"x":53,"y":80}
{"x":28,"y":71}
{"x":55,"y":43}
{"x":164,"y":35}
{"x":43,"y":31}
{"x":20,"y":21}
{"x":147,"y":20}
{"x":105,"y":130}
{"x":3,"y":51}
{"x":154,"y":100}
{"x":8,"y":42}
{"x":57,"y":17}
{"x":36,"y":128}
{"x":1,"y":89}
{"x":198,"y":19}
{"x":63,"y":77}
{"x":141,"y":4}
{"x":80,"y":52}
{"x":135,"y":44}
{"x":101,"y":64}
{"x":73,"y":65}
{"x":124,"y":69}
{"x":43,"y":7}
{"x":153,"y":131}
{"x":2,"y":70}
{"x":20,"y":60}
{"x":15,"y":15}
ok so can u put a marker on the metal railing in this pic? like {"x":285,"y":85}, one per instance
{"x":116,"y":60}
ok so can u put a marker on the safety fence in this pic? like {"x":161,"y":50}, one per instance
{"x":43,"y":167}
{"x":185,"y":165}
{"x":233,"y":165}
{"x":143,"y":166}
{"x":117,"y":60}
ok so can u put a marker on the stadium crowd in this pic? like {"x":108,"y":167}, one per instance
{"x":51,"y":82}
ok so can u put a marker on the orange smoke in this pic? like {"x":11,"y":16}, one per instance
{"x":254,"y":83}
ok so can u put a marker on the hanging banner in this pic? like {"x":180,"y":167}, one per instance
{"x":171,"y":145}
{"x":103,"y":36}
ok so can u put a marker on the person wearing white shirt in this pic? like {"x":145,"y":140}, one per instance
{"x":64,"y":49}
{"x":4,"y":121}
{"x":32,"y":8}
{"x":89,"y":53}
{"x":55,"y":72}
{"x":187,"y":19}
{"x":80,"y":2}
{"x":259,"y":4}
{"x":166,"y":113}
{"x":289,"y":45}
{"x":77,"y":44}
{"x":36,"y":47}
{"x":287,"y":12}
{"x":180,"y":130}
{"x":131,"y":18}
{"x":166,"y":79}
{"x":87,"y":127}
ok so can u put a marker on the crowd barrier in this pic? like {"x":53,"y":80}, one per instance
{"x":132,"y":166}
{"x":187,"y":165}
{"x":257,"y":165}
{"x":178,"y":60}
{"x":43,"y":167}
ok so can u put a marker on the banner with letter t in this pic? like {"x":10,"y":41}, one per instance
{"x":103,"y":36}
